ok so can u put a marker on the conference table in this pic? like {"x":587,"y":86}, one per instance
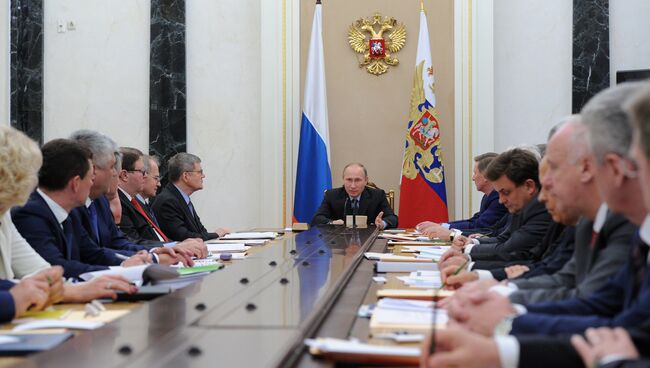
{"x":253,"y":313}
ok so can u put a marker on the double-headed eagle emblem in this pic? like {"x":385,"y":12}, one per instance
{"x":376,"y":50}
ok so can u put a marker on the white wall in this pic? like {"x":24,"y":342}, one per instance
{"x":5,"y":63}
{"x":223,"y":109}
{"x":629,"y":30}
{"x":97,"y":76}
{"x":532,"y":69}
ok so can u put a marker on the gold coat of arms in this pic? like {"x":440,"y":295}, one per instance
{"x":366,"y":36}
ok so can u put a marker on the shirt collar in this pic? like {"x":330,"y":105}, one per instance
{"x":125,"y":193}
{"x":185,"y":196}
{"x":140,"y":198}
{"x":644,"y":230}
{"x":59,"y":212}
{"x":601,"y":216}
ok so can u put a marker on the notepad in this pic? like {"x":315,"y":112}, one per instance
{"x":194,"y":270}
{"x":416,"y":294}
{"x":245,"y":241}
{"x":57,"y":323}
{"x":21,"y":344}
{"x":251,"y":235}
{"x":131,"y":273}
{"x":355,"y":352}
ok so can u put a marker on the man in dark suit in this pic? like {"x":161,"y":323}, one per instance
{"x":45,"y":222}
{"x":136,"y":222}
{"x":174,"y":209}
{"x":355,"y":197}
{"x":96,"y":215}
{"x":515,"y":177}
{"x":490,"y":212}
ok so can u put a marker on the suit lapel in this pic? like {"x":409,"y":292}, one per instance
{"x":185,"y":207}
{"x":364,"y":202}
{"x":59,"y":231}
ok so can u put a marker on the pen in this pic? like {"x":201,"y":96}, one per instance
{"x":432,"y":347}
{"x":121,"y":256}
{"x":460,"y":268}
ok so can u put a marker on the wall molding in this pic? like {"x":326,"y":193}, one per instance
{"x":474,"y":77}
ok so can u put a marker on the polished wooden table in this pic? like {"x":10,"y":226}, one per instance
{"x":253,"y":313}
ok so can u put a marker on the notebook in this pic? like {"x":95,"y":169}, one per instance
{"x":21,"y":344}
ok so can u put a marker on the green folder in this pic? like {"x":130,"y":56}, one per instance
{"x":192,"y":270}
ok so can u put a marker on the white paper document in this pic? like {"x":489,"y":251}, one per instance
{"x":422,"y":317}
{"x":233,"y":247}
{"x":251,"y":235}
{"x":330,"y":345}
{"x":57,"y":323}
{"x":131,"y":273}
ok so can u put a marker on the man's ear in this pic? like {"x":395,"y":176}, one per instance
{"x":74,"y":183}
{"x":122,"y":175}
{"x":530,"y":186}
{"x":586,"y":169}
{"x":613,"y":164}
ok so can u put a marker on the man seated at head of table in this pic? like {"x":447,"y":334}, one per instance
{"x":355,"y":197}
{"x":136,"y":222}
{"x":490,"y":212}
{"x":28,"y":278}
{"x":602,"y":347}
{"x":173,"y":208}
{"x":96,"y":216}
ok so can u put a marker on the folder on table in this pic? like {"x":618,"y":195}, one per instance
{"x":417,"y":294}
{"x":355,"y":352}
{"x":21,"y":344}
{"x":418,"y":265}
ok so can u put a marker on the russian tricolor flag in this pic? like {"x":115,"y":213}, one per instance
{"x":313,"y":175}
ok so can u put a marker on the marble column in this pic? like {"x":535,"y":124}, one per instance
{"x":167,"y":86}
{"x":27,"y":67}
{"x":590,"y":50}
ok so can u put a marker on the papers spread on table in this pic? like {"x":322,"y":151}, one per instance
{"x":418,"y":265}
{"x":21,"y":344}
{"x":229,"y":248}
{"x":131,"y":273}
{"x":329,"y":345}
{"x":251,"y":235}
{"x":245,"y":241}
{"x":416,"y":294}
{"x":57,"y":323}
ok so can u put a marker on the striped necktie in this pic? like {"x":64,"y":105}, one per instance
{"x":141,"y":210}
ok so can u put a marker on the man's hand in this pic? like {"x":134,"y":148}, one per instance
{"x":195,"y":245}
{"x":99,"y":287}
{"x":140,"y":258}
{"x":482,"y":312}
{"x":170,"y":256}
{"x":516,"y":271}
{"x":452,"y":257}
{"x":222,"y":231}
{"x":423,"y":225}
{"x":54,"y":277}
{"x":602,"y":342}
{"x":456,"y":347}
{"x":476,"y":236}
{"x":460,"y":241}
{"x":31,"y":293}
{"x":453,"y":281}
{"x":379,"y":222}
{"x":337,"y":222}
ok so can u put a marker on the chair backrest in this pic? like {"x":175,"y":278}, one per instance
{"x":390,"y":195}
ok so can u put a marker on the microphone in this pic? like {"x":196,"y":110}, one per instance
{"x":345,"y":209}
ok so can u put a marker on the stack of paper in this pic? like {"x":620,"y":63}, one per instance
{"x":389,"y":257}
{"x":415,"y":294}
{"x":415,"y":279}
{"x":133,"y":274}
{"x":356,"y":352}
{"x":415,"y":265}
{"x":231,"y":241}
{"x":228,"y":248}
{"x":251,"y":235}
{"x":392,"y":315}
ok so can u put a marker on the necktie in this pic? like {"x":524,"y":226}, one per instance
{"x":191,"y":207}
{"x":141,"y":210}
{"x":594,"y":237}
{"x":640,"y":261}
{"x":355,"y":206}
{"x":68,"y":232}
{"x":92,"y":212}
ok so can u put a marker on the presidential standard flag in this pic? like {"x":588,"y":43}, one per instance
{"x":313,"y":176}
{"x":422,"y":190}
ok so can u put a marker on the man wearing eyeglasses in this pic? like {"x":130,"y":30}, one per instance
{"x":137,"y":223}
{"x":174,"y":209}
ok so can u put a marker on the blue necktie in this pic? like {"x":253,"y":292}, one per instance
{"x":92,"y":212}
{"x":355,"y":206}
{"x":191,"y":207}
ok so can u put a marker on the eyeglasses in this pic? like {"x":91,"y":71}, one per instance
{"x":156,"y":178}
{"x":196,"y":171}
{"x":143,"y":172}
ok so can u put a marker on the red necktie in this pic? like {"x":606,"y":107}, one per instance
{"x":139,"y":208}
{"x":594,"y":237}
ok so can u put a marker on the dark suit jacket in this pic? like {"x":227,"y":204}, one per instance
{"x":371,"y":203}
{"x":7,"y":305}
{"x":522,"y":240}
{"x":615,"y":304}
{"x":490,"y":212}
{"x":109,"y":235}
{"x":558,"y":236}
{"x":175,"y":218}
{"x":540,"y":351}
{"x":589,"y":267}
{"x":134,"y":225}
{"x":37,"y":224}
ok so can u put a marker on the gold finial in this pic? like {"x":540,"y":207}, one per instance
{"x":421,"y":5}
